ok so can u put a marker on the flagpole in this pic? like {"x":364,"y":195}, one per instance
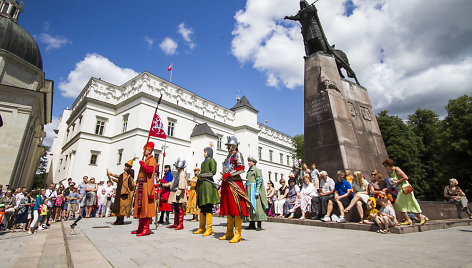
{"x":149,"y":133}
{"x":144,"y":150}
{"x":158,"y":183}
{"x":163,"y":158}
{"x":171,"y":74}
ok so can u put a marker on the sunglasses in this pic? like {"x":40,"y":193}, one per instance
{"x":373,"y":174}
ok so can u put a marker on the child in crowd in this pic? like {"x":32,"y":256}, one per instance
{"x":73,"y":201}
{"x":385,"y":218}
{"x":58,"y":206}
{"x":43,"y":214}
{"x":102,"y":202}
{"x":370,"y":211}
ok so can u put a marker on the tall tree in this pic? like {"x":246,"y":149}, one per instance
{"x":457,"y":141}
{"x":40,"y":176}
{"x":298,"y":141}
{"x":404,"y":147}
{"x":426,"y":125}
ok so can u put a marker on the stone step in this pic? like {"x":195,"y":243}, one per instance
{"x":30,"y":256}
{"x":81,"y":251}
{"x":54,"y":249}
{"x":428,"y":226}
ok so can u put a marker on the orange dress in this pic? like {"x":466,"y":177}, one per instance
{"x":148,"y":207}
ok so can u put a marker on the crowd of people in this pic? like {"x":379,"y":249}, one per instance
{"x":327,"y":199}
{"x":34,"y":210}
{"x":314,"y":193}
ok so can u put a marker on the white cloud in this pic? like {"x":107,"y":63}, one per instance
{"x":93,"y":65}
{"x":49,"y":129}
{"x":408,"y":54}
{"x":149,"y":41}
{"x":168,"y":46}
{"x":186,"y":34}
{"x":53,"y":41}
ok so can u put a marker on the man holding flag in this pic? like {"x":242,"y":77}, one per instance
{"x":144,"y":206}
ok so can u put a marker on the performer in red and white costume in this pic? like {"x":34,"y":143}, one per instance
{"x":233,"y":204}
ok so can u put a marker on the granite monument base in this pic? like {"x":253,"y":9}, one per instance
{"x":341,"y":131}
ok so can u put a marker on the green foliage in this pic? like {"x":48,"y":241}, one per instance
{"x":40,"y":176}
{"x":457,"y":142}
{"x":404,"y":147}
{"x":430,"y":150}
{"x":426,"y":125}
{"x":298,"y":142}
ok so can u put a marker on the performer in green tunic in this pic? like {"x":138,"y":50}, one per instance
{"x":207,"y":194}
{"x":257,"y":194}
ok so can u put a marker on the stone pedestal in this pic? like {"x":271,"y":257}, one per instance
{"x":341,"y":131}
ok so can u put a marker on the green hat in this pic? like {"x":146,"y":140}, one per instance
{"x":252,"y":159}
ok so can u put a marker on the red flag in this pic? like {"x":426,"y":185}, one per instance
{"x":170,"y":67}
{"x":157,"y":128}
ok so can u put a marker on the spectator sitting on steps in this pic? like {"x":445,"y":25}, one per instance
{"x":455,"y":195}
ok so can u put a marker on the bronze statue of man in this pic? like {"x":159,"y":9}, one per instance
{"x":315,"y":40}
{"x":313,"y":35}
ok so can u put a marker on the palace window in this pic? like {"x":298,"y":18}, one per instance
{"x":270,"y":175}
{"x":93,"y":158}
{"x":270,"y":155}
{"x":156,"y":156}
{"x":125,"y":123}
{"x":99,"y":127}
{"x":170,"y":128}
{"x":288,"y":160}
{"x":218,"y":142}
{"x":260,"y":153}
{"x":120,"y":156}
{"x":276,"y":176}
{"x":281,"y":159}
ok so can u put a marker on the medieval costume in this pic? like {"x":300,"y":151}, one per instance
{"x":233,"y":198}
{"x":178,"y":195}
{"x":256,"y":192}
{"x":207,"y":194}
{"x":192,"y":196}
{"x":144,"y":204}
{"x":124,"y":192}
{"x":164,"y":206}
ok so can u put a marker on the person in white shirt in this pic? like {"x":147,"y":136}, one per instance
{"x":101,"y":185}
{"x":279,"y":203}
{"x":315,"y":176}
{"x":51,"y":196}
{"x":326,"y":193}
{"x":102,"y":202}
{"x":304,"y":197}
{"x":109,"y":190}
{"x":19,"y":196}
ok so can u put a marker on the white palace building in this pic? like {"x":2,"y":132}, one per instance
{"x":108,"y":125}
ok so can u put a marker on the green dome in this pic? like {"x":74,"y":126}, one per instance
{"x":14,"y":39}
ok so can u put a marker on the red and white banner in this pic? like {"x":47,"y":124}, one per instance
{"x":170,"y":67}
{"x":157,"y":128}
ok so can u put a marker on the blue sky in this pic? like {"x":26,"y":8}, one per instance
{"x":399,"y":49}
